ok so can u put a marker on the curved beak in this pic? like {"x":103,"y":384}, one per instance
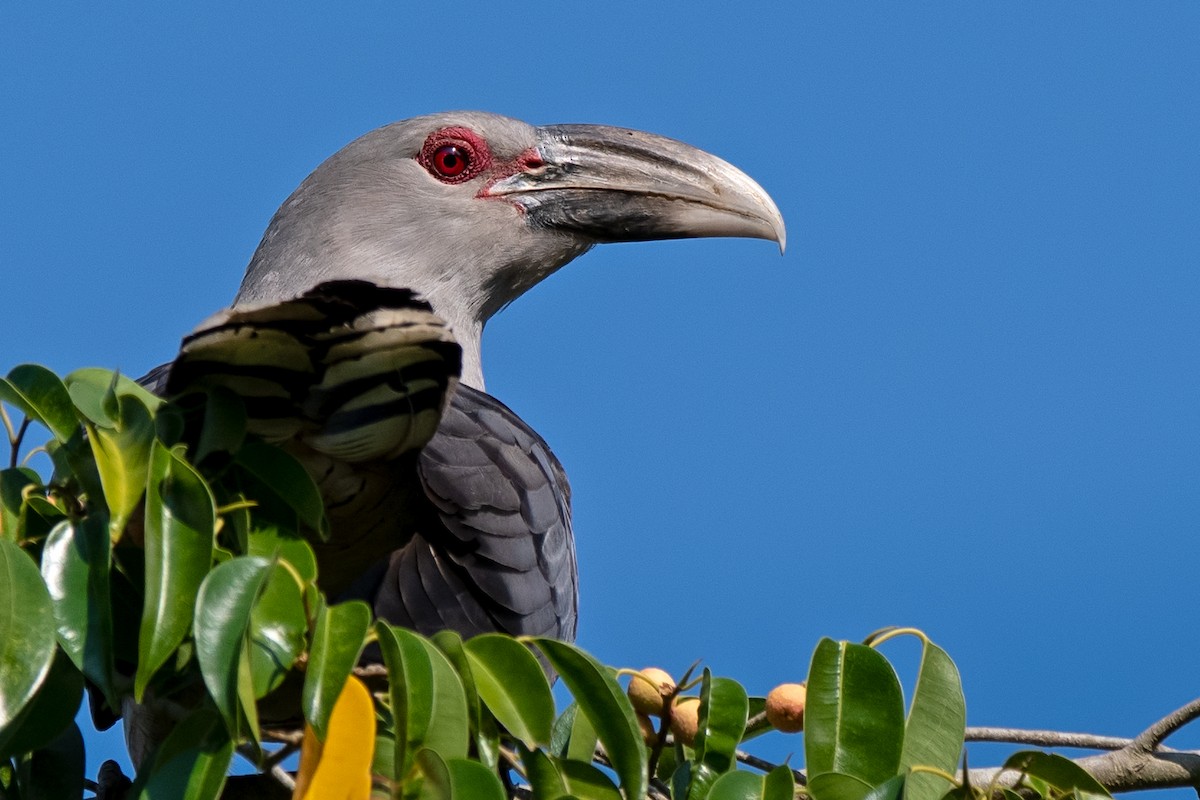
{"x":618,"y":185}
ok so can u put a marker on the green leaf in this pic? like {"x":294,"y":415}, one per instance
{"x":1060,"y":772}
{"x":224,"y":427}
{"x":581,"y":746}
{"x":854,"y":717}
{"x":179,"y":529}
{"x":450,"y":732}
{"x":457,"y":778}
{"x":586,"y":782}
{"x":336,"y":645}
{"x":723,"y":710}
{"x":50,"y":711}
{"x":270,"y":542}
{"x":277,"y":629}
{"x":56,"y":770}
{"x":190,"y":764}
{"x":601,"y":698}
{"x":410,"y":689}
{"x":483,"y":725}
{"x":891,"y":789}
{"x":737,"y":785}
{"x":937,"y":720}
{"x":545,"y":781}
{"x":837,"y":786}
{"x":513,"y":686}
{"x":122,"y":454}
{"x":76,"y":560}
{"x":93,"y":391}
{"x":40,"y":395}
{"x":779,"y":784}
{"x":12,"y":501}
{"x":26,"y":631}
{"x":287,"y":479}
{"x":224,"y":608}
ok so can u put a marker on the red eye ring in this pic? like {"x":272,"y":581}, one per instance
{"x":455,"y":155}
{"x":451,"y":160}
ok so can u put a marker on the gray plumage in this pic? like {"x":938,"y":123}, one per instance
{"x":472,"y":529}
{"x":487,"y":543}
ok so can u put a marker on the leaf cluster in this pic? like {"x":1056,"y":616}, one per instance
{"x":166,"y":565}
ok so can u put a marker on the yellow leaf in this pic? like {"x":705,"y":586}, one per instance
{"x":340,"y":767}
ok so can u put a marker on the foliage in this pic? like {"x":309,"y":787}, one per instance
{"x":166,"y":561}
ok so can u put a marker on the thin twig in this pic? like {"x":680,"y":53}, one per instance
{"x":283,"y":735}
{"x":280,"y":754}
{"x":751,"y":760}
{"x":1153,"y":736}
{"x":1087,"y":741}
{"x":285,"y":778}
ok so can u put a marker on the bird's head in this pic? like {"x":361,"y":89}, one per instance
{"x":472,"y":209}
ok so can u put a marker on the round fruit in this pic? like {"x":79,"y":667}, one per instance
{"x":685,"y":719}
{"x":785,"y":707}
{"x":648,"y":689}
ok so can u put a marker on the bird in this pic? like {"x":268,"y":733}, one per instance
{"x":355,"y":341}
{"x":469,"y":210}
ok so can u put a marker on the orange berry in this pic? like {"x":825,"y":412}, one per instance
{"x":648,"y":689}
{"x":685,"y":718}
{"x":785,"y":707}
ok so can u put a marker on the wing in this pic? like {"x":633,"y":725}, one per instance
{"x":496,"y":551}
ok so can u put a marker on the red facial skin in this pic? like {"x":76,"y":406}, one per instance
{"x":457,"y":155}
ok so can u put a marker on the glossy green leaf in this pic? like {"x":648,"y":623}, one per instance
{"x":40,"y":395}
{"x":122,"y":454}
{"x":450,"y":732}
{"x":457,"y":778}
{"x":1060,"y":772}
{"x":779,"y":784}
{"x":894,"y":788}
{"x":513,"y":686}
{"x":179,"y":529}
{"x":76,"y":560}
{"x":723,"y":711}
{"x":336,"y":644}
{"x":837,"y":786}
{"x":410,"y":690}
{"x":854,"y":717}
{"x":224,"y":608}
{"x":601,"y":698}
{"x":937,"y":720}
{"x":545,"y":781}
{"x":56,"y":770}
{"x":94,"y":391}
{"x":737,"y":785}
{"x":586,"y":782}
{"x":583,"y":741}
{"x":13,"y":483}
{"x":191,"y":763}
{"x":483,"y":725}
{"x":26,"y":631}
{"x":278,"y":628}
{"x":272,"y":543}
{"x":224,"y":427}
{"x":288,"y":480}
{"x":51,"y":710}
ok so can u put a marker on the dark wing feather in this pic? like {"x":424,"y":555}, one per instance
{"x":497,"y":553}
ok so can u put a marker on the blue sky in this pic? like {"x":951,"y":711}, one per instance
{"x":966,"y":399}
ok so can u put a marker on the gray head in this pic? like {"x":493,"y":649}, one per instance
{"x":472,"y":209}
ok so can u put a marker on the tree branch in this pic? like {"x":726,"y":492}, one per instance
{"x":1087,"y":741}
{"x":1153,"y":736}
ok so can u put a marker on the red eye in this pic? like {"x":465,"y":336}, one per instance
{"x":455,"y":155}
{"x":450,"y":160}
